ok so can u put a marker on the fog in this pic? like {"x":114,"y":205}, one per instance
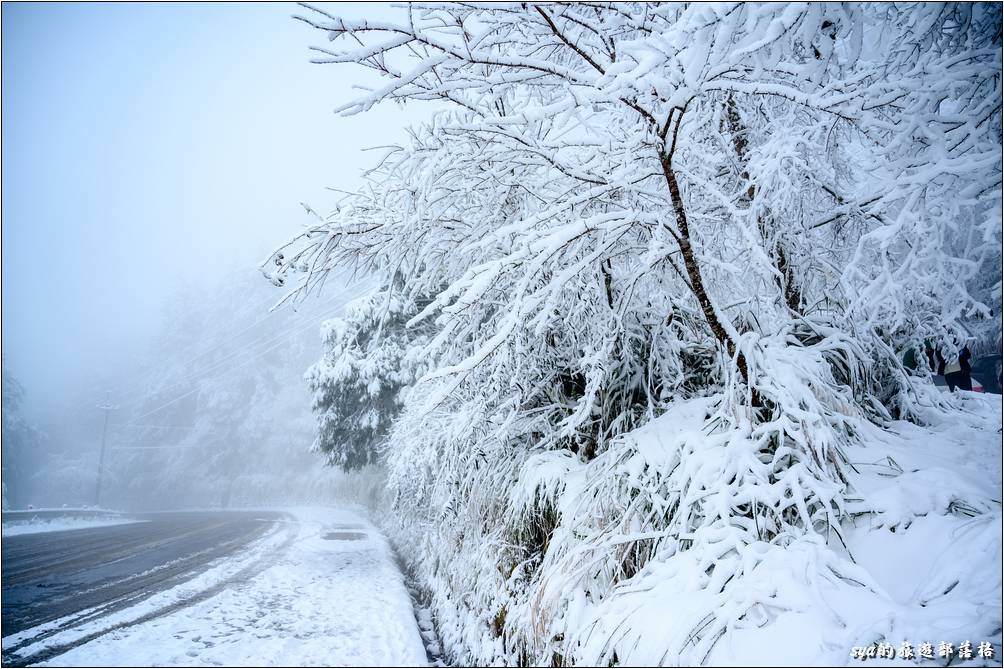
{"x":152,"y":156}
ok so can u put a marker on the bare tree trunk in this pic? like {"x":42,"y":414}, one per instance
{"x":693,"y":271}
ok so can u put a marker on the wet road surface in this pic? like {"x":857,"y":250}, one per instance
{"x":53,"y":575}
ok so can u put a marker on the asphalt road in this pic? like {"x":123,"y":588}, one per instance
{"x":90,"y":573}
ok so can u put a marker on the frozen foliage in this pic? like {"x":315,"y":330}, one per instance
{"x":675,"y":255}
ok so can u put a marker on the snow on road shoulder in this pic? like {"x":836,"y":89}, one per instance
{"x":95,"y":622}
{"x":13,"y":528}
{"x":333,"y":596}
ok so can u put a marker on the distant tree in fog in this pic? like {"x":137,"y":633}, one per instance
{"x":22,"y":444}
{"x":219,"y":414}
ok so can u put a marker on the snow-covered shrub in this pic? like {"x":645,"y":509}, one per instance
{"x":675,"y":256}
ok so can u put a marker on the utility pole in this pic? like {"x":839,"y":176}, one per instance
{"x":107,"y":408}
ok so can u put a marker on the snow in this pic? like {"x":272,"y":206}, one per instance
{"x":323,"y":589}
{"x":667,"y":292}
{"x":37,"y":525}
{"x":922,"y":563}
{"x":634,"y":357}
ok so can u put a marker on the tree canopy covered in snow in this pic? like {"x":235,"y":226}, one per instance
{"x":660,"y":266}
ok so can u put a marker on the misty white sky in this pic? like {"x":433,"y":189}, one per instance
{"x":146,"y":145}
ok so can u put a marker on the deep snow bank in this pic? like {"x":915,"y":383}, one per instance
{"x":919,"y":561}
{"x":916,"y":557}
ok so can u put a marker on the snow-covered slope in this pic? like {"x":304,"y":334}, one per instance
{"x":679,"y":263}
{"x":921,"y":561}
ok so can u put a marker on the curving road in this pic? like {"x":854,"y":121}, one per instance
{"x":55,"y":580}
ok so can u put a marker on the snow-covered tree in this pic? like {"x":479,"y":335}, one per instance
{"x":675,"y":254}
{"x":22,"y":444}
{"x":357,"y":385}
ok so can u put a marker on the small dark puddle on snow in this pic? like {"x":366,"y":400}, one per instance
{"x":344,"y":536}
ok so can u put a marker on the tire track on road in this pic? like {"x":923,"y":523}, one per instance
{"x":12,"y":656}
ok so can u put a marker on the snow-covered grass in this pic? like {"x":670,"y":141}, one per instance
{"x":323,"y":589}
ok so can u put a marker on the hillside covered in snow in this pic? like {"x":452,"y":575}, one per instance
{"x":660,"y":295}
